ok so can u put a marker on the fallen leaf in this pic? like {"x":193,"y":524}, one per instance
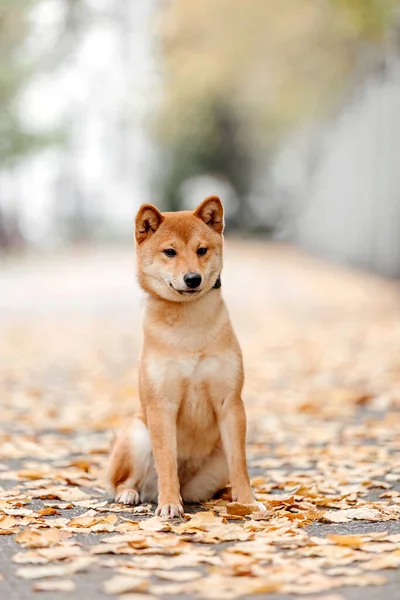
{"x":46,"y":555}
{"x":329,"y":597}
{"x":343,"y":516}
{"x":355,"y":541}
{"x":136,"y":597}
{"x":379,"y":563}
{"x":48,"y":510}
{"x":71,"y":494}
{"x":154,"y":524}
{"x":120,"y":584}
{"x":58,"y":585}
{"x":34,"y":538}
{"x":178,"y":575}
{"x":241,"y":510}
{"x":7,"y":525}
{"x":60,"y":570}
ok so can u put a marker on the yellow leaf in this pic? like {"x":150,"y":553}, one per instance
{"x":58,"y":585}
{"x":120,"y":584}
{"x":241,"y":510}
{"x":154,"y":524}
{"x":179,"y":575}
{"x":346,"y":540}
{"x":33,"y":538}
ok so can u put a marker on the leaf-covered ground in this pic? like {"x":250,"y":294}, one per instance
{"x":322,"y":353}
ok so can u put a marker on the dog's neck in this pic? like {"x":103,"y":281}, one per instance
{"x":202,"y":311}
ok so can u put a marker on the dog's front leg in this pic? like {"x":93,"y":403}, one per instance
{"x":162,"y":427}
{"x":232,"y":424}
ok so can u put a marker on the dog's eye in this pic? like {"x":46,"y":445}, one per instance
{"x":170,"y":252}
{"x":202,"y":251}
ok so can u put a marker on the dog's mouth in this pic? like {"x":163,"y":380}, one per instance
{"x":185,"y":292}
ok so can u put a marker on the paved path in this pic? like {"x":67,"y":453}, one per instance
{"x":322,"y":348}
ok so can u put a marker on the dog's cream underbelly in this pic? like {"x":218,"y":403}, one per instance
{"x":197,"y":427}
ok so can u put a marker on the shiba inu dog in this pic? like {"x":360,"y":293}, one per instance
{"x":189,"y":439}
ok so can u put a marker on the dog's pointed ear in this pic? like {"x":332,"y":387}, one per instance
{"x":211,"y":211}
{"x":148,"y":220}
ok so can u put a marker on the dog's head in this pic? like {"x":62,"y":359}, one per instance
{"x":180,"y":253}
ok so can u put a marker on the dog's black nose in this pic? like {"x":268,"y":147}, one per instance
{"x":192,"y":280}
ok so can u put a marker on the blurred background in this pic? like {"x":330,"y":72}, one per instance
{"x":289,"y":110}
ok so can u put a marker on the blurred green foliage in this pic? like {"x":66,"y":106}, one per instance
{"x":17,"y":68}
{"x":366,"y":19}
{"x":261,"y":67}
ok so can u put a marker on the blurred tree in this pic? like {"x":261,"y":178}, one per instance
{"x":218,"y":149}
{"x":15,"y":140}
{"x":261,"y":67}
{"x":365,"y":19}
{"x":17,"y":69}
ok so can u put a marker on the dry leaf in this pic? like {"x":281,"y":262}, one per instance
{"x":120,"y":584}
{"x":46,"y":555}
{"x":48,"y":510}
{"x":136,"y":597}
{"x":82,"y":522}
{"x":7,"y":525}
{"x":60,"y":570}
{"x":329,"y":597}
{"x":58,"y":585}
{"x":18,"y":512}
{"x":178,"y":575}
{"x":355,"y":541}
{"x":343,"y":516}
{"x":201,"y":521}
{"x":241,"y":510}
{"x":379,"y":563}
{"x":34,"y":538}
{"x":154,"y":524}
{"x":71,"y":494}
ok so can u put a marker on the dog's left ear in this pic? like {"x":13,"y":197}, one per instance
{"x":211,"y":211}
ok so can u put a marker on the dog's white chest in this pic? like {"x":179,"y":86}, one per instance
{"x":198,"y":369}
{"x":169,"y":374}
{"x":185,"y":377}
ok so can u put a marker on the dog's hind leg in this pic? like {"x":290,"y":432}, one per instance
{"x":131,"y":471}
{"x":212,"y":477}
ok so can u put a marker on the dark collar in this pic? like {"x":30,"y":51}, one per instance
{"x":218,"y":283}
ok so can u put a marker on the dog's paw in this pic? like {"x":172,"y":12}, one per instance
{"x":254,"y":503}
{"x":169,"y":511}
{"x":128,"y":496}
{"x":261,"y":507}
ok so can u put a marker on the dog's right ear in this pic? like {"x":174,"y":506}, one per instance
{"x":148,"y":220}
